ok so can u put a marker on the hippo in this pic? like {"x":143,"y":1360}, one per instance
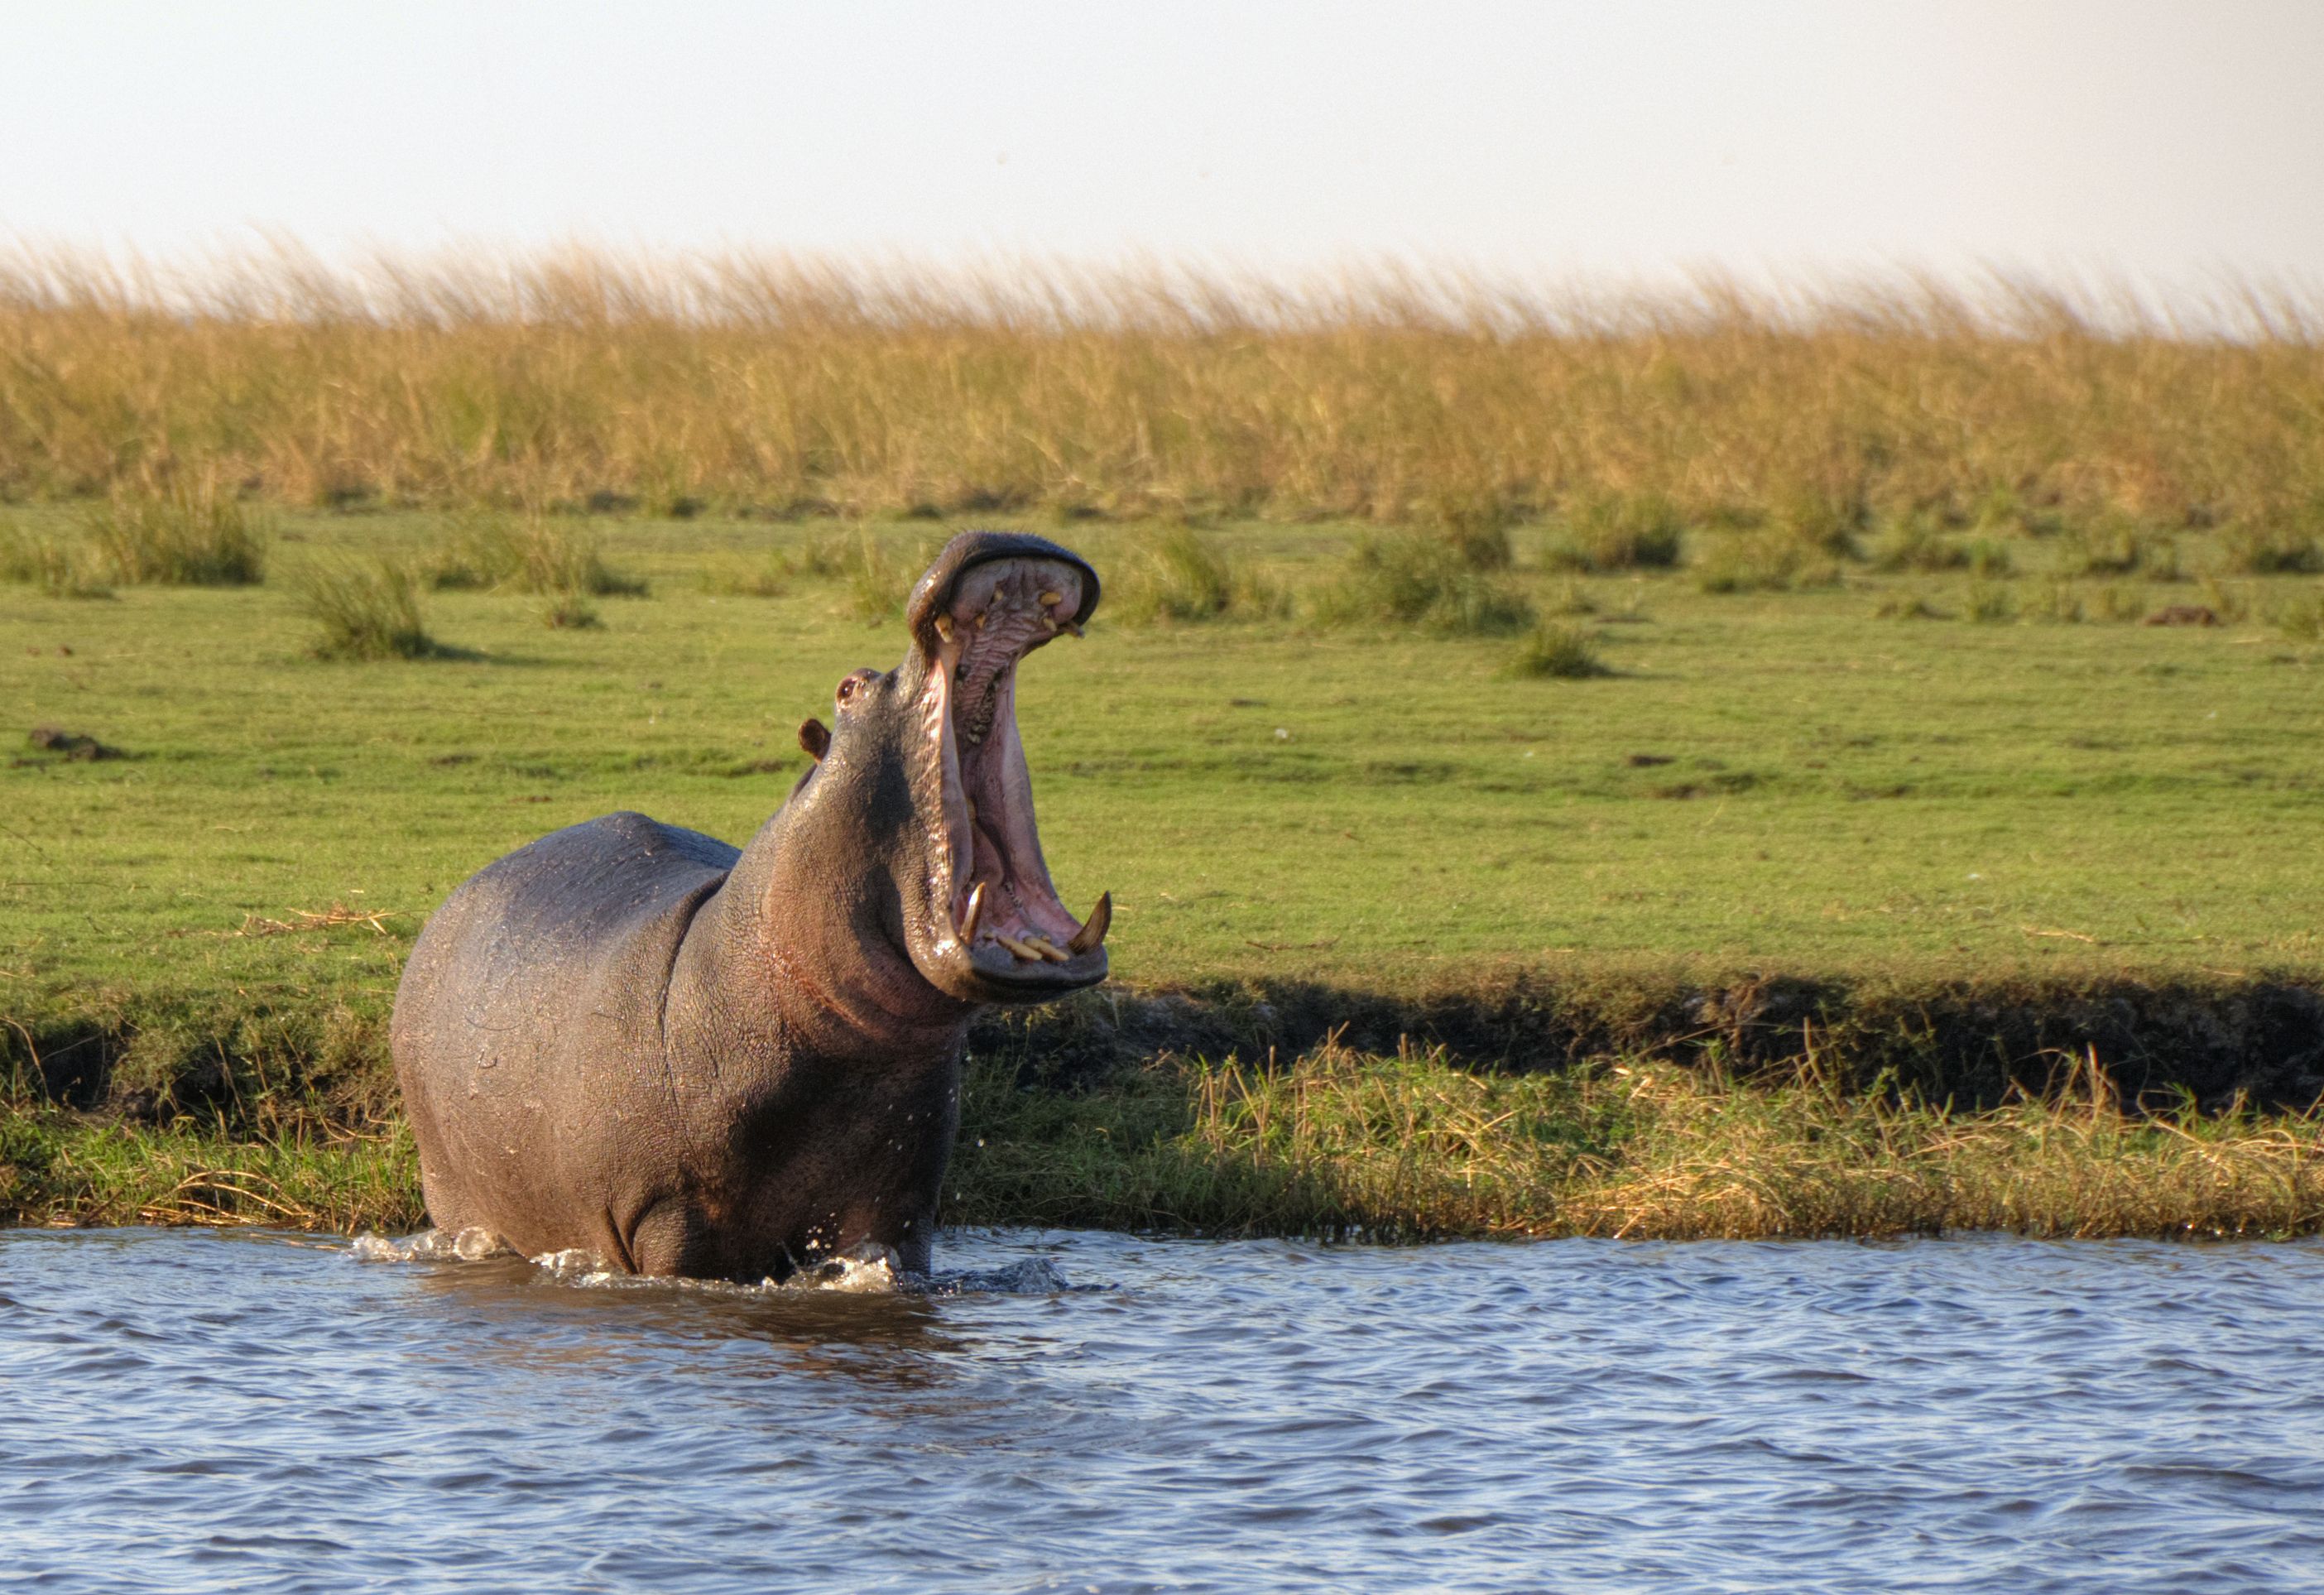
{"x":634,"y":1040}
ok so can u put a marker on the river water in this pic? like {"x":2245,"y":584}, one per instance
{"x":184,"y":1412}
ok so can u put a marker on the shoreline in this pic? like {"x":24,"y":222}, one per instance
{"x":1772,"y":1107}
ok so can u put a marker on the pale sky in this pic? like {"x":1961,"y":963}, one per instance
{"x":2156,"y":142}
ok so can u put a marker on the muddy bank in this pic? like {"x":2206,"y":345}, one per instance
{"x":1973,"y":1042}
{"x":2259,"y":1038}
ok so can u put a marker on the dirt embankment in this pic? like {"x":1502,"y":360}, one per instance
{"x":2259,"y":1038}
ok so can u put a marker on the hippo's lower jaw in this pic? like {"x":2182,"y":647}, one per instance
{"x":996,"y":930}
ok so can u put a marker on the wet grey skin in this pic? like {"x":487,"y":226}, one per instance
{"x":636,"y":1040}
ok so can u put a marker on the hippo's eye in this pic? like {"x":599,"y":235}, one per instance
{"x":850,"y":686}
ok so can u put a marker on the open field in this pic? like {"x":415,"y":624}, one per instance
{"x":1783,"y":781}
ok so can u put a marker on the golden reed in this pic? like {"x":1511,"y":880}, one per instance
{"x":767,"y":382}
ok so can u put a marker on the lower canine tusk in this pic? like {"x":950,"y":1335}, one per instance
{"x":1093,"y":935}
{"x":968,"y":916}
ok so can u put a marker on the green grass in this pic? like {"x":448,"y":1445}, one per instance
{"x":1273,"y":797}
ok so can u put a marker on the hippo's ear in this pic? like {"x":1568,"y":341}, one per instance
{"x":815,"y":736}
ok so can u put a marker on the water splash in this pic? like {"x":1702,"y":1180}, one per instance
{"x":868,"y":1268}
{"x":471,"y":1245}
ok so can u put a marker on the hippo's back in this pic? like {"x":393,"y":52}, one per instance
{"x":528,"y":1027}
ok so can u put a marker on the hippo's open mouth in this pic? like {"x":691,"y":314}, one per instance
{"x":986,"y":852}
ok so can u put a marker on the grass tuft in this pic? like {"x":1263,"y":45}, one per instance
{"x":60,"y":569}
{"x":1762,"y":562}
{"x":771,"y":580}
{"x":1184,"y":576}
{"x":2300,"y":618}
{"x":876,"y":587}
{"x":1412,"y":578}
{"x":2118,"y":546}
{"x":363,"y":610}
{"x":1474,"y":528}
{"x":1181,"y":577}
{"x":1565,"y":652}
{"x":1617,"y":531}
{"x":188,"y":536}
{"x":2262,"y":550}
{"x":1916,"y":542}
{"x":1988,"y":604}
{"x":529,"y":554}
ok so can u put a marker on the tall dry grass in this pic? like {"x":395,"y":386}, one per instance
{"x":786,"y":383}
{"x":1407,"y":1147}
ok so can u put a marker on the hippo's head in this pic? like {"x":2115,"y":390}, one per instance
{"x":923,"y":772}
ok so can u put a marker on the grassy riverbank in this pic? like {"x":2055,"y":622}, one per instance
{"x":1343,"y":1144}
{"x":1936,"y":860}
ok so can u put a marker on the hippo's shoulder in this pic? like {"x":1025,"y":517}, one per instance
{"x":620,"y":841}
{"x":628,"y":834}
{"x":616,"y":866}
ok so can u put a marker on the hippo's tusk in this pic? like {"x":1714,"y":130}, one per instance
{"x":1048,"y":949}
{"x":815,"y":736}
{"x":968,"y":916}
{"x":1023,"y":950}
{"x":944,"y":627}
{"x":1093,"y":935}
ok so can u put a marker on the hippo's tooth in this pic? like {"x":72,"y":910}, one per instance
{"x":1092,"y":934}
{"x":1048,"y":949}
{"x":968,"y":915}
{"x":1050,"y":595}
{"x":944,"y":627}
{"x":1023,"y":950}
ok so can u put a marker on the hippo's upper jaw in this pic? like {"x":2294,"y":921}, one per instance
{"x":990,"y":927}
